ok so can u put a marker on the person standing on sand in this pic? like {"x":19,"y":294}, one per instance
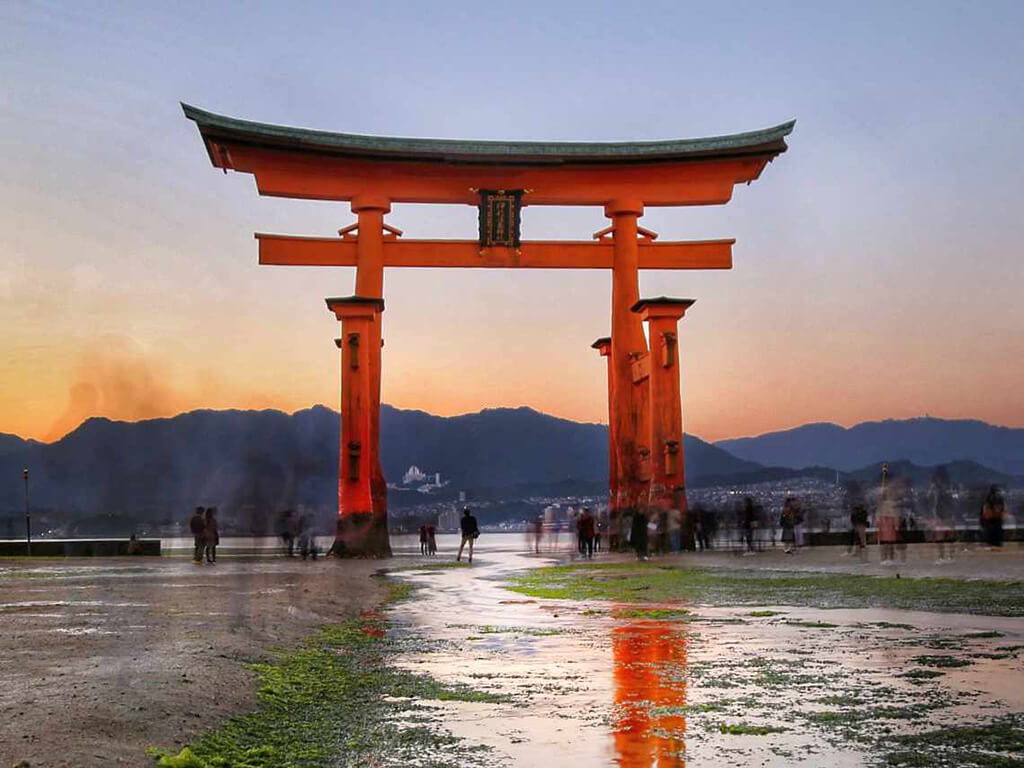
{"x":859,"y":524}
{"x":638,"y":535}
{"x":210,"y":536}
{"x":992,"y":514}
{"x":887,"y":522}
{"x":431,"y":540}
{"x":586,"y":530}
{"x":748,"y":520}
{"x":470,"y":530}
{"x":198,"y":527}
{"x":423,"y":539}
{"x":788,"y":524}
{"x":940,"y":499}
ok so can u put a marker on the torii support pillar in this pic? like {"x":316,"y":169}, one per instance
{"x":629,"y":413}
{"x":361,"y":531}
{"x":668,"y":477}
{"x":604,"y":346}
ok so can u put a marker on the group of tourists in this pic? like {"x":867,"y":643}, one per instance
{"x":203,"y":526}
{"x":298,"y":530}
{"x":900,"y":519}
{"x":428,"y":540}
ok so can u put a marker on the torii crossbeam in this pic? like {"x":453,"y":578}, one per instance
{"x":372,"y":172}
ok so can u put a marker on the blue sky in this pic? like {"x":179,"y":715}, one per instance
{"x":877,"y":270}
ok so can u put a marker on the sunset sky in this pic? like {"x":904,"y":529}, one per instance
{"x":878,"y":268}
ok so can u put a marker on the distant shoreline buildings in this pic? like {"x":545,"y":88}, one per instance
{"x":415,"y":479}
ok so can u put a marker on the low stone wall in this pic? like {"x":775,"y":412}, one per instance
{"x":80,"y":548}
{"x":842,"y":538}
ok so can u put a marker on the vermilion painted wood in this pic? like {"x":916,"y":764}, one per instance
{"x":668,"y":481}
{"x":287,"y":173}
{"x":645,"y":415}
{"x":287,"y":250}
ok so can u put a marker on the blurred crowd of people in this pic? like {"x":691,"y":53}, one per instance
{"x":892,"y":514}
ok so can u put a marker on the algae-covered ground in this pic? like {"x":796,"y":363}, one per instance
{"x":656,"y":582}
{"x":337,"y":700}
{"x":794,"y":681}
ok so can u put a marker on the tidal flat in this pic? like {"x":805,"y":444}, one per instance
{"x":830,"y":668}
{"x":516,"y":660}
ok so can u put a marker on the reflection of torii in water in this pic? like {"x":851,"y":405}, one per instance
{"x":622,"y":178}
{"x":649,"y":729}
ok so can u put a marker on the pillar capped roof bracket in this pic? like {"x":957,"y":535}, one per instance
{"x":352,"y":230}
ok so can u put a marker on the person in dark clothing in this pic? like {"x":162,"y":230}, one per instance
{"x":581,"y":544}
{"x":423,"y":539}
{"x":211,"y":538}
{"x":700,"y":527}
{"x":586,"y":531}
{"x":787,"y":522}
{"x":287,"y":529}
{"x":307,"y":536}
{"x":748,"y":520}
{"x":859,"y":525}
{"x":992,"y":514}
{"x":470,"y":531}
{"x":198,"y":527}
{"x":638,"y":535}
{"x":431,"y":540}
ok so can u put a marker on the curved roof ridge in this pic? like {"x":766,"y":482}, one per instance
{"x":213,"y":127}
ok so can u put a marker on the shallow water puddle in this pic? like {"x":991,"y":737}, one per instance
{"x":641,"y":685}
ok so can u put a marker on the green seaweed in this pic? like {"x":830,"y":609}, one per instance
{"x":333,"y":700}
{"x":746,"y":729}
{"x":650,"y":613}
{"x":646,"y":582}
{"x":921,"y":674}
{"x":995,"y":744}
{"x":946,"y":662}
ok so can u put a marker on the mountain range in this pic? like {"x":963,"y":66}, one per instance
{"x":262,"y":461}
{"x":267,"y":459}
{"x":923,"y":441}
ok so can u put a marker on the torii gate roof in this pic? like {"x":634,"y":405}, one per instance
{"x":220,"y":128}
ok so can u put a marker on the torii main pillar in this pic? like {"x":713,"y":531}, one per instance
{"x":667,"y":490}
{"x":629,"y":411}
{"x":361,"y":532}
{"x":370,"y":211}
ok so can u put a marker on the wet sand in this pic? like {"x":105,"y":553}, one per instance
{"x":102,"y":658}
{"x":596,"y":683}
{"x":921,"y":561}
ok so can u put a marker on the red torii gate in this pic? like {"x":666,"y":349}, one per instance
{"x":372,"y":172}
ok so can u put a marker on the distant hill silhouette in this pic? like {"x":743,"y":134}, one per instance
{"x":925,"y":442}
{"x":967,"y":473}
{"x":261,"y":461}
{"x":12,"y":443}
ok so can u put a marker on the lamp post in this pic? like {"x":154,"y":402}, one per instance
{"x":28,"y":519}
